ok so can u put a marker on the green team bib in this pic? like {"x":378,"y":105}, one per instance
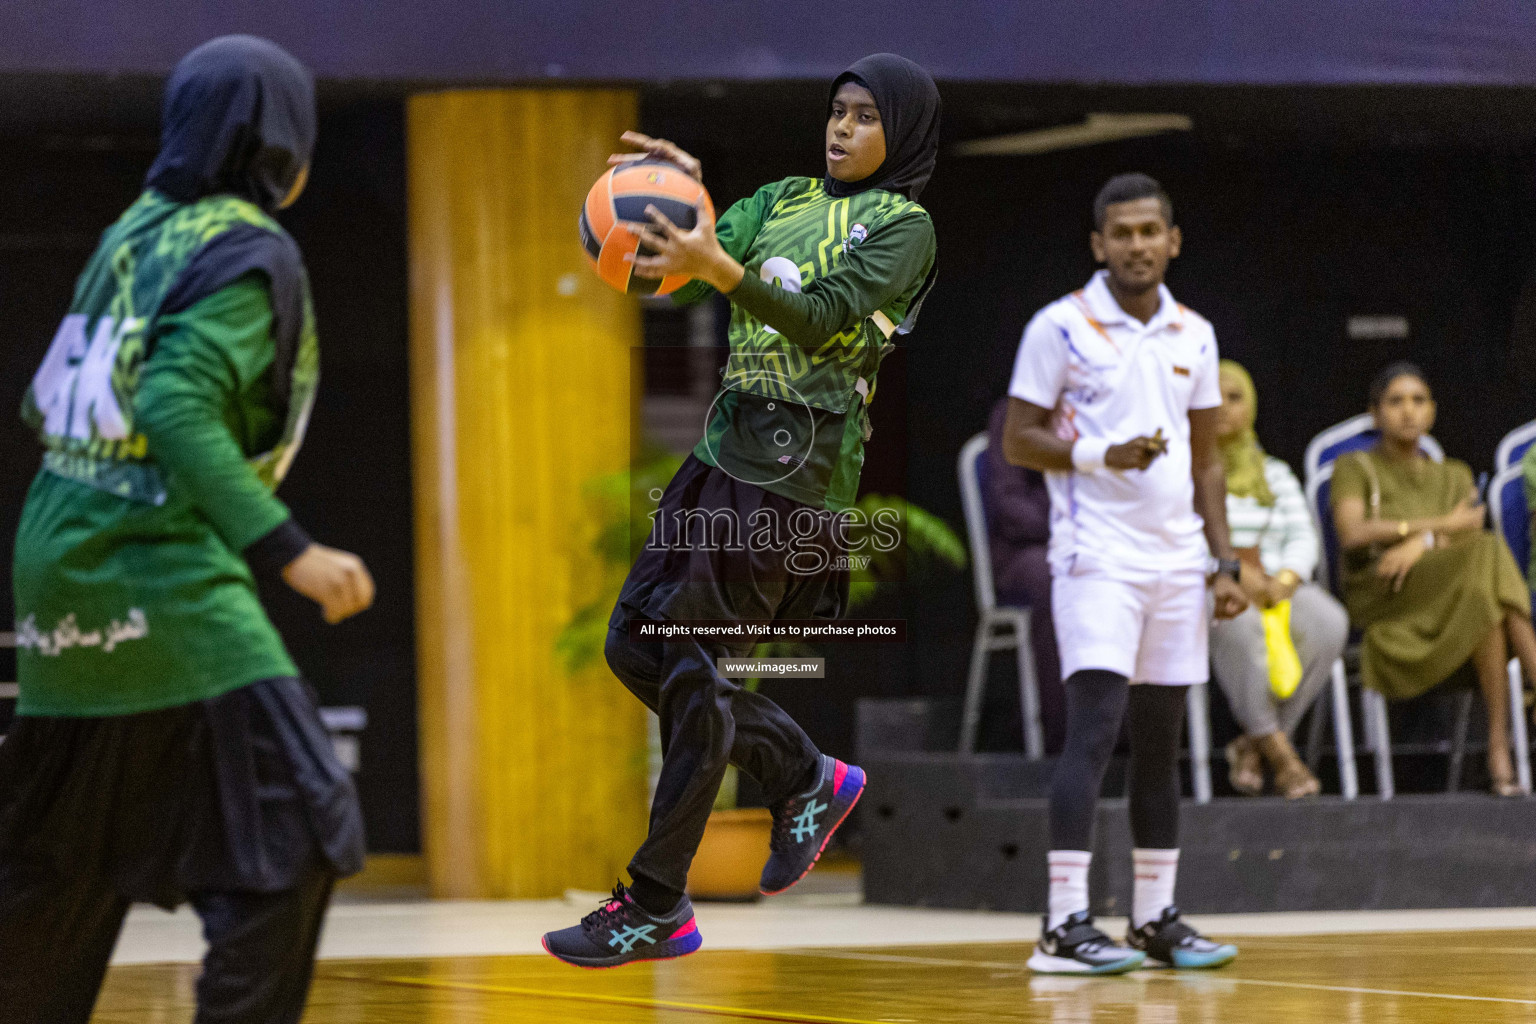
{"x":81,"y":399}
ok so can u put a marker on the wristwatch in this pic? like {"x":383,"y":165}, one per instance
{"x":1229,"y":567}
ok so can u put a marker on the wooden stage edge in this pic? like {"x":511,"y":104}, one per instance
{"x":388,"y":874}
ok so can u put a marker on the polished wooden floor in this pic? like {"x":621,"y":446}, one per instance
{"x":1475,"y":977}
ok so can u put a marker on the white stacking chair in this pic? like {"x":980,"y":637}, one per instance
{"x":1512,"y":519}
{"x":1200,"y":741}
{"x":999,"y":627}
{"x":1372,"y":707}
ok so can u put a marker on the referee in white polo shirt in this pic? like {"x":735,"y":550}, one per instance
{"x":1114,"y":397}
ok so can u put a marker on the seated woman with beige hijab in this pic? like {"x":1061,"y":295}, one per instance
{"x":1431,"y":587}
{"x":1289,"y":621}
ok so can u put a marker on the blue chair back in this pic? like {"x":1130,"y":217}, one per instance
{"x":1513,"y":445}
{"x":1511,"y":515}
{"x":1318,"y":488}
{"x":1354,"y":434}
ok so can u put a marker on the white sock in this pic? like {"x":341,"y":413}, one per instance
{"x":1069,"y":884}
{"x":1156,"y":871}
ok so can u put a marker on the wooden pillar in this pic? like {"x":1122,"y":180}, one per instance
{"x":533,"y":779}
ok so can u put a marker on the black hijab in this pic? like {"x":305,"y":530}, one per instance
{"x":909,"y":112}
{"x":239,"y":118}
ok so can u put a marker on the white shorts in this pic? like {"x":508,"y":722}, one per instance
{"x":1151,"y":627}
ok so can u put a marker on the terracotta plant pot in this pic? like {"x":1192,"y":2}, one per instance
{"x":731,"y":856}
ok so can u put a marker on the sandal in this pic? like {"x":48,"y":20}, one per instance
{"x":1293,"y":779}
{"x":1502,"y":782}
{"x":1244,"y":768}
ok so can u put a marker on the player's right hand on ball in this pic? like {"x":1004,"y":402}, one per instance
{"x":337,"y":581}
{"x":1137,"y":453}
{"x":659,"y":149}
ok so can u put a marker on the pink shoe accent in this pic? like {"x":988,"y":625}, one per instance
{"x":838,"y":774}
{"x":826,"y":838}
{"x":687,"y":929}
{"x":544,"y":941}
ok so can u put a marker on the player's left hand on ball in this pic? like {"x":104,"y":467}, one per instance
{"x":659,"y":149}
{"x":693,"y":253}
{"x":1230,"y":599}
{"x":337,"y":581}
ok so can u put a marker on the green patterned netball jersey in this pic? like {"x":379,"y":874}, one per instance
{"x":791,"y":416}
{"x":132,"y":592}
{"x":804,"y":235}
{"x":81,"y":400}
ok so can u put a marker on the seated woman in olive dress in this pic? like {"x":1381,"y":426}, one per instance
{"x":1427,"y":582}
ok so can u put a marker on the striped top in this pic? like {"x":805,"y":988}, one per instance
{"x":1283,"y":533}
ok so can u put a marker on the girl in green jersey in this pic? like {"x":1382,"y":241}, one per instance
{"x":821,"y":274}
{"x":165,"y":749}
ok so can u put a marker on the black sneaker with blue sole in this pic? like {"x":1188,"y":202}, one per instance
{"x":1076,"y":947}
{"x":621,"y":932}
{"x":1170,"y":942}
{"x":803,"y":825}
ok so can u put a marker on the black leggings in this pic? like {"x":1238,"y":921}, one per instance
{"x":1096,"y":703}
{"x":707,"y":721}
{"x":57,"y":933}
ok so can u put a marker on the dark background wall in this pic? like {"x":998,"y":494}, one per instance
{"x":1299,"y":207}
{"x":351,"y":486}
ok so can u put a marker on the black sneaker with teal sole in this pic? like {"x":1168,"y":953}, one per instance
{"x":1076,"y":947}
{"x":803,"y":825}
{"x":1171,"y":942}
{"x":620,"y":932}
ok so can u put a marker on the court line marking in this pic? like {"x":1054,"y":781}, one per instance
{"x":742,"y":1013}
{"x":1169,"y":975}
{"x":1331,"y":947}
{"x":1270,"y":943}
{"x":1364,"y":991}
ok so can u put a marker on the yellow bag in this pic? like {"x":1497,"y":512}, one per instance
{"x":1284,"y":662}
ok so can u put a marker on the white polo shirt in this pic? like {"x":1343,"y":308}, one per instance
{"x":1109,"y":376}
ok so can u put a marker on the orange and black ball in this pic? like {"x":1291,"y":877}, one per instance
{"x":620,"y":198}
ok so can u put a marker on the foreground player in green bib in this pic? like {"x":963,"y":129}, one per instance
{"x":165,"y":749}
{"x":821,"y":273}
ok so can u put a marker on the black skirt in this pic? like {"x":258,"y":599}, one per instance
{"x":241,"y":792}
{"x":708,"y":557}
